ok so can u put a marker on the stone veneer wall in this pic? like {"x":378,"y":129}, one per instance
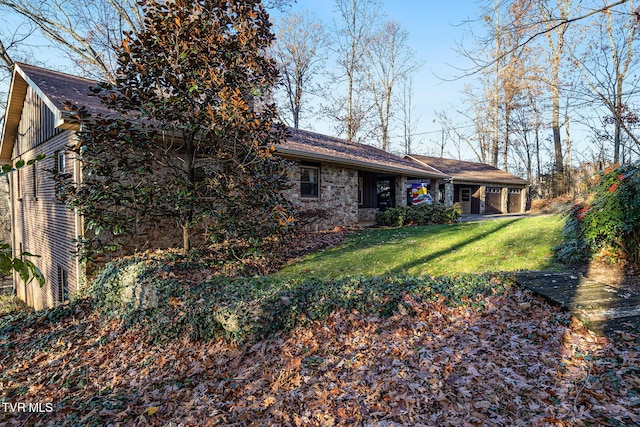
{"x":367,"y":214}
{"x":338,"y":196}
{"x":401,"y":191}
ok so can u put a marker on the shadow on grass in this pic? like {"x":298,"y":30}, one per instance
{"x":435,"y":255}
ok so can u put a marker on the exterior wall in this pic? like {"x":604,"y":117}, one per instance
{"x":5,"y":210}
{"x":338,"y":196}
{"x":401,"y":191}
{"x":448,"y":194}
{"x":367,"y":214}
{"x":482,"y":196}
{"x":42,"y":225}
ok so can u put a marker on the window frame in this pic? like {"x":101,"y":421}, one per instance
{"x":310,"y":195}
{"x":63,"y":285}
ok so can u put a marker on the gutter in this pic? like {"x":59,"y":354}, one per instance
{"x":361,"y":164}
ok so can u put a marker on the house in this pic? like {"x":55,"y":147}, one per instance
{"x":347,"y":181}
{"x":479,"y":188}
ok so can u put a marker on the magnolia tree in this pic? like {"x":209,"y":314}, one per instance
{"x":192,"y":136}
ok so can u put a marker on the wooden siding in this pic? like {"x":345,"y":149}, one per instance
{"x":37,"y":123}
{"x":42,"y":225}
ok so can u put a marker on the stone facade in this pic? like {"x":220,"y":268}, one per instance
{"x":401,"y":191}
{"x":337,"y":201}
{"x":367,"y":214}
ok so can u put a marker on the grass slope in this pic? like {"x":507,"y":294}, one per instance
{"x":499,"y":245}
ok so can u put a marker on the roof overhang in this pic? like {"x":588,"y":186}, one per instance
{"x":354,"y":163}
{"x":465,"y":179}
{"x":20,"y":81}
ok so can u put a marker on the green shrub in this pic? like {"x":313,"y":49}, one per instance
{"x":573,"y":249}
{"x":424,"y":214}
{"x":241,"y":309}
{"x":392,"y":217}
{"x":610,"y":221}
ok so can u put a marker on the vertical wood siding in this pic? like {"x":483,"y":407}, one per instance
{"x":42,"y":224}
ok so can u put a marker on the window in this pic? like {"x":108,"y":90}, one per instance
{"x":309,"y":179}
{"x":34,"y":181}
{"x":60,"y":168}
{"x":360,"y":190}
{"x":493,"y":190}
{"x":61,"y":162}
{"x":63,"y":285}
{"x":515,"y":191}
{"x":465,"y":194}
{"x":18,"y":185}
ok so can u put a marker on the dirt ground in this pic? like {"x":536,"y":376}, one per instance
{"x":616,"y":275}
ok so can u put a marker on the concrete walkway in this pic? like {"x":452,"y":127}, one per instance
{"x":603,"y":308}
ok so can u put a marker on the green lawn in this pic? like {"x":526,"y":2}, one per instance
{"x":474,"y":247}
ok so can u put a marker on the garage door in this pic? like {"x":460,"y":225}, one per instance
{"x":515,"y":200}
{"x":493,"y":200}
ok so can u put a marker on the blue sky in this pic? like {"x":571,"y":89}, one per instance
{"x":435,"y":28}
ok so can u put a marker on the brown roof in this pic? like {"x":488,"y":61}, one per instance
{"x":59,"y":88}
{"x":468,"y":171}
{"x":56,"y":88}
{"x":314,"y":146}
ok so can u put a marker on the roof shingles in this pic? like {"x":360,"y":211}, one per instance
{"x":469,"y":171}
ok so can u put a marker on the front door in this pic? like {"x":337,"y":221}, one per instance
{"x":385,"y":193}
{"x":465,"y":199}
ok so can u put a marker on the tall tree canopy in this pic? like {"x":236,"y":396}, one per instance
{"x":194,"y":135}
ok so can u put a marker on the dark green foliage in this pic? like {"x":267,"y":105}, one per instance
{"x":610,"y":221}
{"x":23,"y":266}
{"x":573,"y":249}
{"x":240,"y":309}
{"x":189,"y":147}
{"x":393,"y":217}
{"x":424,"y":214}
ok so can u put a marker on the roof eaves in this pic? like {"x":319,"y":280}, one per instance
{"x":410,"y":157}
{"x":362,"y":164}
{"x":60,"y":117}
{"x":15,"y":101}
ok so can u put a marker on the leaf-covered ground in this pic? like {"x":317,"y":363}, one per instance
{"x":517,"y":362}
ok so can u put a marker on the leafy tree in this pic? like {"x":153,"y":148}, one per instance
{"x":192,"y":143}
{"x":26,"y":268}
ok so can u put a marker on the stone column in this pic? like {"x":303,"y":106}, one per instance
{"x":401,"y":191}
{"x":504,"y":200}
{"x":448,"y":193}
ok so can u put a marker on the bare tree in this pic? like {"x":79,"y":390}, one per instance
{"x":390,"y":60}
{"x":353,"y":31}
{"x":556,"y":40}
{"x":87,"y":31}
{"x":408,"y":119}
{"x":610,"y":69}
{"x":300,"y":51}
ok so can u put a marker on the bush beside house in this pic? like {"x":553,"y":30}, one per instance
{"x":424,"y":214}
